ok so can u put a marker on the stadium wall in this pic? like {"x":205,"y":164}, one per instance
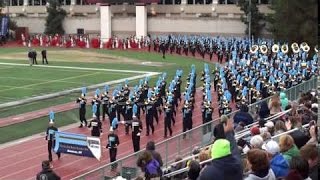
{"x":204,"y":19}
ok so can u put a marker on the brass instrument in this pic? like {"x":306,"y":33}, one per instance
{"x":316,"y":49}
{"x":284,"y":48}
{"x":275,"y":48}
{"x":254,"y":49}
{"x":263,"y":49}
{"x":295,"y":48}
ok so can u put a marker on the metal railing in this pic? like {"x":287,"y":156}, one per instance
{"x":170,"y":148}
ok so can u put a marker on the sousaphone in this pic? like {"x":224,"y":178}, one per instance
{"x":254,"y":49}
{"x":284,"y":48}
{"x":263,"y":49}
{"x":295,"y":48}
{"x":275,"y":48}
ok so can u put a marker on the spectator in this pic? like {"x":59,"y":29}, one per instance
{"x":275,"y":105}
{"x":180,"y":165}
{"x":278,"y":164}
{"x":224,"y":164}
{"x":287,"y":147}
{"x":313,"y":134}
{"x":194,"y":170}
{"x":240,"y":127}
{"x":218,"y":131}
{"x":149,"y":165}
{"x":270,"y":126}
{"x":152,"y":149}
{"x":203,"y":156}
{"x":255,"y":131}
{"x":299,"y":136}
{"x":284,"y":100}
{"x":47,"y":173}
{"x":301,"y":166}
{"x":243,"y":116}
{"x":279,"y":127}
{"x":256,"y":142}
{"x":264,"y":111}
{"x":310,"y":153}
{"x":259,"y":166}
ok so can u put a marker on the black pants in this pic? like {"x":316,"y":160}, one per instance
{"x":104,"y":111}
{"x":136,"y":143}
{"x":155,"y":115}
{"x":51,"y":145}
{"x":34,"y":60}
{"x":113,"y":154}
{"x":44,"y":59}
{"x":82,"y":114}
{"x":167,"y":126}
{"x":149,"y":123}
{"x":187,"y":124}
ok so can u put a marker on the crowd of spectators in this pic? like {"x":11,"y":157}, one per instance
{"x":278,"y":142}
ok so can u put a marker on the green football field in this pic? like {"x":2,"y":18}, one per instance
{"x":72,"y":68}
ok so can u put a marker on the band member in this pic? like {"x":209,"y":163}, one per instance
{"x":136,"y":130}
{"x":105,"y":102}
{"x":187,"y":117}
{"x":168,"y":118}
{"x":82,"y":108}
{"x":207,"y":111}
{"x":97,"y":102}
{"x":149,"y":114}
{"x":112,"y":145}
{"x":50,"y":136}
{"x":95,"y":123}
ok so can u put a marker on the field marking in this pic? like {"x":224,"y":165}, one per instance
{"x":32,"y":79}
{"x":51,"y":81}
{"x":79,"y":68}
{"x":18,"y":87}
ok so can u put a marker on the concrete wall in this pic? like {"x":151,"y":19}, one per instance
{"x":195,"y":25}
{"x":126,"y":25}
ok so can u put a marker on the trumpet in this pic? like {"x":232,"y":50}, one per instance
{"x":263,"y":49}
{"x":284,"y":49}
{"x":275,"y":48}
{"x":254,"y":49}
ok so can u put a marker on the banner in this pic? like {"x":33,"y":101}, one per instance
{"x":77,"y":144}
{"x":4,"y":25}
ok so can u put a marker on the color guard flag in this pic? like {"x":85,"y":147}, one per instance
{"x":77,"y":144}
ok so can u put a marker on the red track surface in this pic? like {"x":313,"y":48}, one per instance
{"x":23,"y":161}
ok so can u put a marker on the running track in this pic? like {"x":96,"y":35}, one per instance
{"x":23,"y":161}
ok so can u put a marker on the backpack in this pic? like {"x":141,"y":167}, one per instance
{"x":153,"y":168}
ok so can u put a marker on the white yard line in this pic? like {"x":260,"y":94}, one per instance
{"x":51,"y":81}
{"x":79,"y":68}
{"x":33,"y":79}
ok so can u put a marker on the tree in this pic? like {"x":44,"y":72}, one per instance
{"x":55,"y":18}
{"x":256,"y":17}
{"x":294,"y":21}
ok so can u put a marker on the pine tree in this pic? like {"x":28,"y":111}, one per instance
{"x":55,"y":18}
{"x":256,"y":17}
{"x":294,"y":21}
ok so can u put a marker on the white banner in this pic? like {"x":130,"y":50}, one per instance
{"x":94,"y":145}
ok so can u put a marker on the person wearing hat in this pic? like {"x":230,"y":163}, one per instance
{"x":278,"y":163}
{"x":47,"y":173}
{"x":136,"y":130}
{"x":96,"y":127}
{"x":82,"y":101}
{"x":112,"y":145}
{"x":50,"y":137}
{"x":224,"y":164}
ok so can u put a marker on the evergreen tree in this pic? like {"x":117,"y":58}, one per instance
{"x":256,"y":17}
{"x":294,"y":21}
{"x":55,"y":18}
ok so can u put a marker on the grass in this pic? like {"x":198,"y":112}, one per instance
{"x":168,"y":65}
